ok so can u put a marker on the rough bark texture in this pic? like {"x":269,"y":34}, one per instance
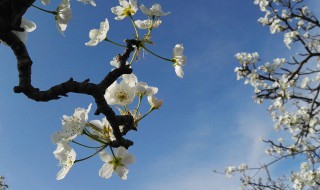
{"x":11,"y":12}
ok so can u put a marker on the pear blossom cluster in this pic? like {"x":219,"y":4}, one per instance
{"x":291,"y":87}
{"x":289,"y":21}
{"x":127,"y":9}
{"x":118,"y":94}
{"x":306,"y":177}
{"x":121,"y":94}
{"x":63,"y":14}
{"x":230,"y":170}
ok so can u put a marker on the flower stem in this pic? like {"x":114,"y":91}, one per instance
{"x":133,"y":56}
{"x":150,"y":29}
{"x":135,"y":27}
{"x":75,"y":142}
{"x":114,"y":156}
{"x":91,"y":154}
{"x":93,"y":137}
{"x":151,"y":109}
{"x":144,"y":47}
{"x":115,"y":43}
{"x":139,"y":103}
{"x":44,"y":10}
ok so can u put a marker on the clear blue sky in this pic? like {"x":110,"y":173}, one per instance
{"x":208,"y":119}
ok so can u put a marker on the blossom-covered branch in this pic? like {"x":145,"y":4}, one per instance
{"x":292,"y":88}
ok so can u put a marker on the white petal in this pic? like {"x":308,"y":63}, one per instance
{"x":124,"y":3}
{"x":97,"y":123}
{"x":63,"y":172}
{"x":28,"y":26}
{"x":145,"y":10}
{"x":121,"y":151}
{"x":178,"y":50}
{"x":88,"y":109}
{"x":152,"y":91}
{"x":134,"y":5}
{"x":106,"y":171}
{"x":130,"y":79}
{"x":119,"y":17}
{"x":96,"y":36}
{"x":154,"y":102}
{"x":104,"y":156}
{"x":179,"y":71}
{"x":88,"y":1}
{"x":61,"y":27}
{"x":56,"y":138}
{"x":122,"y":172}
{"x":118,"y":10}
{"x":128,"y":159}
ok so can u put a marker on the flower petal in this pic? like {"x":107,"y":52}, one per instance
{"x":122,"y":172}
{"x":104,"y":156}
{"x":63,"y":172}
{"x":106,"y":171}
{"x":28,"y":26}
{"x":179,"y":71}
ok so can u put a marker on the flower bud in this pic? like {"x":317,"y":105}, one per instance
{"x":154,"y":102}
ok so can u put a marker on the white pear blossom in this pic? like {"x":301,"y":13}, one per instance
{"x":147,"y":24}
{"x":275,"y":26}
{"x":155,"y":10}
{"x":243,"y":167}
{"x":117,"y":164}
{"x":98,"y":35}
{"x":179,"y":59}
{"x":143,"y":89}
{"x":125,"y":9}
{"x":92,"y":2}
{"x":104,"y":131}
{"x":72,"y":126}
{"x":120,"y":94}
{"x":305,"y":10}
{"x":262,"y":3}
{"x":266,"y":19}
{"x":154,"y":102}
{"x":66,"y":156}
{"x":140,"y":88}
{"x":230,"y":170}
{"x":289,"y":37}
{"x":63,"y":15}
{"x":247,"y":58}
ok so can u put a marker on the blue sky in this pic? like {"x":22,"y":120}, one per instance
{"x":208,"y":119}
